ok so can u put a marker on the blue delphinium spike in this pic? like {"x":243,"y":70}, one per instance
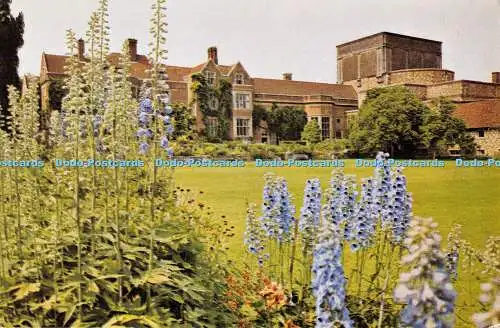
{"x":311,"y":209}
{"x":328,"y":282}
{"x":426,"y":289}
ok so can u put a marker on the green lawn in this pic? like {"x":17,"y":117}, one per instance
{"x":468,"y":196}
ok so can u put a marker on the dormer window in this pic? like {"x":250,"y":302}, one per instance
{"x":239,"y":78}
{"x":210,"y":78}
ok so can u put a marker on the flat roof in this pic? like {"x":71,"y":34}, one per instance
{"x":391,"y":34}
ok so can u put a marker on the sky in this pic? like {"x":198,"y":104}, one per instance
{"x":270,"y":37}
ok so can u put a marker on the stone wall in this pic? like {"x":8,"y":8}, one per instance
{"x":425,"y":76}
{"x":490,"y":143}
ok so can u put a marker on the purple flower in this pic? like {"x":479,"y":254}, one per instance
{"x":142,"y":132}
{"x":146,"y":105}
{"x":426,"y":288}
{"x":286,"y":210}
{"x":168,"y":109}
{"x":144,"y":118}
{"x":328,"y":282}
{"x":143,"y":148}
{"x":170,"y":129}
{"x":164,"y":142}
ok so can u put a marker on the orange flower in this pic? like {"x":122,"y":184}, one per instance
{"x":290,"y":324}
{"x":232,"y":305}
{"x":274,"y":295}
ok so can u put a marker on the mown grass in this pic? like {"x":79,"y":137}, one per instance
{"x":468,"y":196}
{"x":450,"y":195}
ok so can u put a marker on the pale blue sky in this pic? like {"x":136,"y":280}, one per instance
{"x":270,"y":37}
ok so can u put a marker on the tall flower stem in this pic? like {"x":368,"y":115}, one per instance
{"x":384,"y":289}
{"x":293,"y":252}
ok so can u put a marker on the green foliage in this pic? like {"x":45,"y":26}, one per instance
{"x":56,"y":93}
{"x":183,"y":121}
{"x":111,"y":247}
{"x":214,"y":102}
{"x":441,"y":130}
{"x":11,"y":39}
{"x":394,"y":120}
{"x":390,"y":119}
{"x":311,"y":133}
{"x":285,"y":122}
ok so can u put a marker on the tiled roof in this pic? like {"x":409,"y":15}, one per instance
{"x":198,"y":68}
{"x":55,"y":63}
{"x":225,"y":69}
{"x":138,"y":69}
{"x":480,"y":114}
{"x":299,"y":88}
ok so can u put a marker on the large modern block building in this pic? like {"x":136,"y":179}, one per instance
{"x":378,"y":60}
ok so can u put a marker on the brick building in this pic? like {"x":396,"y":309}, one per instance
{"x":378,"y":60}
{"x":326,"y":103}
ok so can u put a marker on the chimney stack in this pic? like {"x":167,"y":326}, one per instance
{"x":212,"y":55}
{"x":132,"y":48}
{"x":287,"y":76}
{"x":81,"y":49}
{"x":495,"y":77}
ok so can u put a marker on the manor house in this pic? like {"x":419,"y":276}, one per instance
{"x":378,"y":60}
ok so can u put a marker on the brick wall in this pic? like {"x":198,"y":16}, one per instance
{"x":360,"y":45}
{"x":178,"y":92}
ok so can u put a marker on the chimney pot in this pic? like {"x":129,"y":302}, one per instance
{"x":81,"y":49}
{"x":132,"y":48}
{"x":212,"y":55}
{"x":495,"y":77}
{"x":287,"y":76}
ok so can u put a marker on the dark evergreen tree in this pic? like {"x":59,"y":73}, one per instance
{"x":11,"y":39}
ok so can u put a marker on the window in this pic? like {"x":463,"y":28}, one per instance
{"x":480,"y":133}
{"x":338,"y":121}
{"x":325,"y":127}
{"x":212,"y":103}
{"x":481,"y":151}
{"x":338,"y":134}
{"x":210,"y":78}
{"x":239,"y":78}
{"x":212,"y":125}
{"x":241,"y":101}
{"x":242,"y":127}
{"x":263,"y":136}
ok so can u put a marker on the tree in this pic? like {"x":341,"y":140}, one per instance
{"x":311,"y":133}
{"x":11,"y":39}
{"x":441,"y":130}
{"x":286,"y":122}
{"x":183,"y":120}
{"x":390,"y":120}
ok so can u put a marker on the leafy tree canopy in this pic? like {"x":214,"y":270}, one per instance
{"x":311,"y":133}
{"x":285,"y":122}
{"x":394,"y":120}
{"x":11,"y":39}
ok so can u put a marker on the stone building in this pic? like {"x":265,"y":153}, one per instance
{"x":386,"y":59}
{"x":326,"y":103}
{"x":483,"y":121}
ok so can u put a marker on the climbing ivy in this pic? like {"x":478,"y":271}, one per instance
{"x":221,"y":109}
